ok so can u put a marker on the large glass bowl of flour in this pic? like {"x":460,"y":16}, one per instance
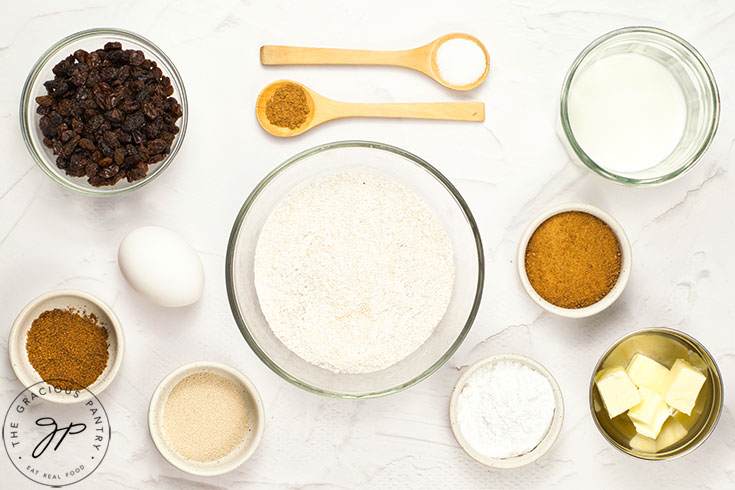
{"x":255,"y":278}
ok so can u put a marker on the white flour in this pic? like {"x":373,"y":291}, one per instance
{"x":505,"y":409}
{"x":353,"y":272}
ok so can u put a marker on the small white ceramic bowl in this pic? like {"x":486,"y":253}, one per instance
{"x":625,"y":251}
{"x":543,"y":446}
{"x":236,"y":457}
{"x":64,"y":299}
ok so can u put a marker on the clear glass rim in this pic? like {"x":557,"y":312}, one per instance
{"x":682,"y":336}
{"x":586,"y":160}
{"x":26,"y":103}
{"x":230,"y":282}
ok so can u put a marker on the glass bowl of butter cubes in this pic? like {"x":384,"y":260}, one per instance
{"x":656,"y":394}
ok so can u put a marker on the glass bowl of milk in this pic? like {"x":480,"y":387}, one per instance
{"x":639,"y":106}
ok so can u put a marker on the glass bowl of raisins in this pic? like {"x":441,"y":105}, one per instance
{"x":103,"y":111}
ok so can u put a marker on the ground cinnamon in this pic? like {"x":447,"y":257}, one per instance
{"x":67,"y":348}
{"x":573,"y":259}
{"x":287,"y":107}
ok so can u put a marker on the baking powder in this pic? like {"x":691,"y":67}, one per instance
{"x":505,"y":409}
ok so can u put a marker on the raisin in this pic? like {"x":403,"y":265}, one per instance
{"x":61,"y":67}
{"x":77,"y":126}
{"x":93,"y":60}
{"x":149,"y":110}
{"x":133,"y":121}
{"x":66,"y":135}
{"x":95,"y":122}
{"x":157,"y":146}
{"x":123,"y":137}
{"x":129,"y":105}
{"x":93,"y":78}
{"x":109,"y":172}
{"x":123,"y":73}
{"x":61,"y":88}
{"x":75,"y":163}
{"x":81,"y":56}
{"x":138,"y":172}
{"x":49,"y":123}
{"x":115,"y":115}
{"x":108,"y":73}
{"x":119,"y":57}
{"x":143,"y":95}
{"x":118,"y":156}
{"x":64,"y":107}
{"x":153,"y":129}
{"x":136,"y":58}
{"x":79,"y":75}
{"x":106,"y":149}
{"x":110,"y":138}
{"x":156,"y":158}
{"x":112,"y":46}
{"x":44,"y":100}
{"x":71,"y":145}
{"x":92,"y":168}
{"x":87,"y":144}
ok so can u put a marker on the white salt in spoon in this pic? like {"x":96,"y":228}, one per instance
{"x":422,"y":59}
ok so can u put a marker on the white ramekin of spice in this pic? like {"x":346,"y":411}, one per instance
{"x":206,"y":418}
{"x":506,"y":411}
{"x":574,"y":260}
{"x":71,"y":340}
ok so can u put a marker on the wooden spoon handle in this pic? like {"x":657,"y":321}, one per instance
{"x":295,"y":55}
{"x":452,"y":111}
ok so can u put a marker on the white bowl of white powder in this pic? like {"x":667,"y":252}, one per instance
{"x":354,"y":269}
{"x":506,"y":411}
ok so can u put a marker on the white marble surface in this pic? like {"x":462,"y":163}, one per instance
{"x":509,"y":168}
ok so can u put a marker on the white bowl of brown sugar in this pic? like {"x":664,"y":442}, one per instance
{"x":574,"y":260}
{"x":206,"y":418}
{"x":66,"y":346}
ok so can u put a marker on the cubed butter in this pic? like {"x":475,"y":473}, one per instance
{"x":671,"y":433}
{"x":650,"y":414}
{"x":685,"y":382}
{"x":643,"y":443}
{"x":647,"y":373}
{"x":687,"y":421}
{"x":617,"y":391}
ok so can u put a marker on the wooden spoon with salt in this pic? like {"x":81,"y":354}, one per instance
{"x":422,"y":59}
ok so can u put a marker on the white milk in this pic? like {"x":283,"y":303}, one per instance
{"x":627,"y":112}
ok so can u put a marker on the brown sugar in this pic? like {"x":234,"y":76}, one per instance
{"x":67,"y":348}
{"x":573,"y":259}
{"x":287,"y":107}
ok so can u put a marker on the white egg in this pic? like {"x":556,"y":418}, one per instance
{"x":161,"y":266}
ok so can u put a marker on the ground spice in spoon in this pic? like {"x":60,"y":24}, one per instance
{"x":573,"y":259}
{"x":287,"y":107}
{"x":67,"y":348}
